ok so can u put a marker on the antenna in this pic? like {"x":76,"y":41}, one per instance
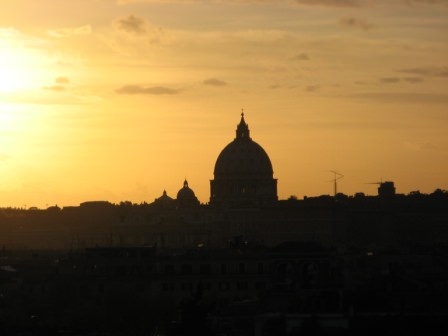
{"x":337,"y":176}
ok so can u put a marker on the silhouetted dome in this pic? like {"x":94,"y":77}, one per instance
{"x":186,"y":196}
{"x":243,"y":173}
{"x":164,"y":201}
{"x":164,"y":198}
{"x":243,"y":156}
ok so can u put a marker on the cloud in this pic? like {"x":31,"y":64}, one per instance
{"x":56,"y":88}
{"x":427,"y":2}
{"x":432,"y":71}
{"x":387,"y":97}
{"x":327,"y":3}
{"x":390,"y":80}
{"x":332,"y":3}
{"x":62,"y":80}
{"x":135,"y":28}
{"x":394,"y":80}
{"x":413,"y":79}
{"x":214,"y":82}
{"x":154,"y":90}
{"x":67,"y":32}
{"x":356,"y":125}
{"x":300,"y":57}
{"x":418,"y":146}
{"x":355,"y":23}
{"x":312,"y":88}
{"x":363,"y":3}
{"x":132,"y":24}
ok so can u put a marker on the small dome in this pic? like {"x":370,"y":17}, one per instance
{"x":185,"y":192}
{"x":164,"y":197}
{"x":164,"y":201}
{"x":186,"y":196}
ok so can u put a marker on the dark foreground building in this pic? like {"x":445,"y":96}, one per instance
{"x":244,"y":264}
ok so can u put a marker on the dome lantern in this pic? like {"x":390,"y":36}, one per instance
{"x":242,"y":130}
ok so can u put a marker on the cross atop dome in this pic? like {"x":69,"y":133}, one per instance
{"x":242,"y":130}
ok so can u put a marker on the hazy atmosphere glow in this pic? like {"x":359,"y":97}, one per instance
{"x":120,"y":99}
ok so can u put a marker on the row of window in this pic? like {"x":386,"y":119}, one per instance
{"x":209,"y":286}
{"x":207,"y":268}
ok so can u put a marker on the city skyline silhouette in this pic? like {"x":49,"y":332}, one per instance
{"x":223,"y":167}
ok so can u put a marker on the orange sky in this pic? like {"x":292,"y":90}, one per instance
{"x":120,"y":99}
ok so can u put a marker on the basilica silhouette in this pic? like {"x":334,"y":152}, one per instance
{"x":243,"y":176}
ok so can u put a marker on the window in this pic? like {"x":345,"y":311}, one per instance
{"x":224,"y":286}
{"x":169,"y":269}
{"x":223,"y":268}
{"x":260,"y":285}
{"x":204,"y":268}
{"x":187,"y":269}
{"x":186,"y":286}
{"x":168,"y":286}
{"x":242,"y":285}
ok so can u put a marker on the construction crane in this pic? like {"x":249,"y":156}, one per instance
{"x":337,"y":176}
{"x":379,"y":183}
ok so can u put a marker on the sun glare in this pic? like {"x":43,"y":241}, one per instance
{"x":20,"y":67}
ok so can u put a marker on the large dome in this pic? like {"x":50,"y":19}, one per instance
{"x":243,"y":157}
{"x":243,"y":173}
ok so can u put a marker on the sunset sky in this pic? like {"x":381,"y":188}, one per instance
{"x":120,"y":99}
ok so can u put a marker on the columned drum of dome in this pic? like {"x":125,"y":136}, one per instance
{"x":243,"y":173}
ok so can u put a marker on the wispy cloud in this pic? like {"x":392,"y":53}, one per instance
{"x":137,"y":28}
{"x":356,"y":23}
{"x":431,"y":71}
{"x":388,"y":97}
{"x":59,"y":85}
{"x":132,"y":24}
{"x":62,"y":80}
{"x":390,"y":80}
{"x":214,"y":82}
{"x":56,"y":88}
{"x":67,"y":32}
{"x":153,"y":90}
{"x":419,"y":146}
{"x":326,"y":3}
{"x":300,"y":57}
{"x":413,"y":79}
{"x":332,"y":3}
{"x":312,"y":88}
